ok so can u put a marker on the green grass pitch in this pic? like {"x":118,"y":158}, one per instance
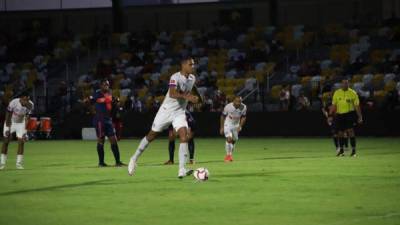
{"x":277,"y":181}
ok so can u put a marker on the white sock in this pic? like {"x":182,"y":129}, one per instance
{"x":142,"y":146}
{"x":232,"y":148}
{"x":3,"y":159}
{"x":183,"y":155}
{"x":228,"y":148}
{"x":20,"y":159}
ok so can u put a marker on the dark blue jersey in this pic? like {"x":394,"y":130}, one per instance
{"x":103,"y":104}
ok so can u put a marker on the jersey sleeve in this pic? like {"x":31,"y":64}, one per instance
{"x":173,"y":81}
{"x":244,"y":112}
{"x":356,"y":100}
{"x":11,"y":106}
{"x":30,"y":111}
{"x":334,"y":99}
{"x":225,"y":112}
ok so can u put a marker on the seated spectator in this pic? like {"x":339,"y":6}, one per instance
{"x":284,"y":98}
{"x":303,"y":103}
{"x":125,"y":82}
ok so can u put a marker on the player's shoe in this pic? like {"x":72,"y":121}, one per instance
{"x":102,"y":165}
{"x":192,"y":162}
{"x":226,"y":159}
{"x":19,"y":166}
{"x":2,"y":166}
{"x":120,"y":164}
{"x":183,"y":173}
{"x":132,"y":167}
{"x":169,"y":162}
{"x":230,"y":158}
{"x":340,"y":153}
{"x":353,"y":154}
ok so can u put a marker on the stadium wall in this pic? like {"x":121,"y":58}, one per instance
{"x":197,"y":16}
{"x":258,"y":124}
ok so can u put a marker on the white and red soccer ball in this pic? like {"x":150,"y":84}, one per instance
{"x":201,"y":174}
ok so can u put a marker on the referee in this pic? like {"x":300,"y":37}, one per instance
{"x":346,"y":104}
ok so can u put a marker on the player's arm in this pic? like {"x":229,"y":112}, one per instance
{"x":174,"y":93}
{"x":196,"y":92}
{"x":242,"y":122}
{"x":221,"y":123}
{"x":333,"y":108}
{"x":8,"y":118}
{"x":357,"y":108}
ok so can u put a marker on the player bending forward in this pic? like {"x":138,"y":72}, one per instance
{"x":17,"y":115}
{"x":172,"y":111}
{"x":232,"y":120}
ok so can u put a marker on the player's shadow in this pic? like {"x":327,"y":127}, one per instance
{"x":52,"y":188}
{"x":243,"y":175}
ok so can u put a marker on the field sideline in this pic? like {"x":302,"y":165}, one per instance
{"x":277,"y":181}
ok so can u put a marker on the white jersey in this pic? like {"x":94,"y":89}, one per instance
{"x":18,"y":111}
{"x":233,"y":115}
{"x":183,"y":85}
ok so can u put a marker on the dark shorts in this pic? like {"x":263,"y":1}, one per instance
{"x":346,"y":121}
{"x":104,"y":127}
{"x":333,"y":127}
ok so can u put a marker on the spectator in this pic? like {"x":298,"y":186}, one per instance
{"x":284,"y":98}
{"x":303,"y":104}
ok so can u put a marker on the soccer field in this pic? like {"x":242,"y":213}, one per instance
{"x":272,"y":181}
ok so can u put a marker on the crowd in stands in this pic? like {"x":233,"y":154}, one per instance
{"x":229,"y":61}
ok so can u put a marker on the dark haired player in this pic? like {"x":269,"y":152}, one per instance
{"x":102,"y":121}
{"x":172,"y":112}
{"x":345,"y":104}
{"x":17,"y":115}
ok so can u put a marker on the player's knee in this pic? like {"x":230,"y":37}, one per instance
{"x":229,"y":140}
{"x":151,"y":136}
{"x":183,"y":139}
{"x":100,"y":141}
{"x":21,"y":141}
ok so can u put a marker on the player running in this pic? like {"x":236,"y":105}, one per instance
{"x":102,"y":121}
{"x":172,"y":111}
{"x":232,"y":120}
{"x":172,"y":136}
{"x":17,"y":115}
{"x":345,"y":103}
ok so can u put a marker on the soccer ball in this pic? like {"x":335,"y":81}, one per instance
{"x":201,"y":174}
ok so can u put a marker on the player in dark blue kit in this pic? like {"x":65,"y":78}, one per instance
{"x":172,"y":136}
{"x":102,"y":121}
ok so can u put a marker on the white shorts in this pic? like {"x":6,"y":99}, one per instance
{"x":231,"y":131}
{"x":17,"y":128}
{"x":165,"y":118}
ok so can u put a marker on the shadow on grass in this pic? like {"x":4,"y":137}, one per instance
{"x":56,"y":187}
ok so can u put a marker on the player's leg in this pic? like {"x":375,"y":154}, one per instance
{"x":191,"y":146}
{"x":110,"y":132}
{"x":140,"y":149}
{"x":100,"y":151}
{"x":161,"y":122}
{"x":115,"y":150}
{"x":183,"y":152}
{"x":346,"y":140}
{"x":99,"y":127}
{"x":21,"y":133}
{"x":228,"y":143}
{"x":171,"y":146}
{"x":235,"y":137}
{"x":340,"y":122}
{"x":352,"y":138}
{"x":4,"y":147}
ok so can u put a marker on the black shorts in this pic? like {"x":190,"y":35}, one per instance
{"x":333,"y":127}
{"x":346,"y":121}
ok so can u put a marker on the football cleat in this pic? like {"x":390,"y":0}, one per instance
{"x":132,"y":167}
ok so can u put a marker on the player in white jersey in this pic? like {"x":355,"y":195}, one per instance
{"x":17,"y":115}
{"x":232,"y":120}
{"x":172,"y":111}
